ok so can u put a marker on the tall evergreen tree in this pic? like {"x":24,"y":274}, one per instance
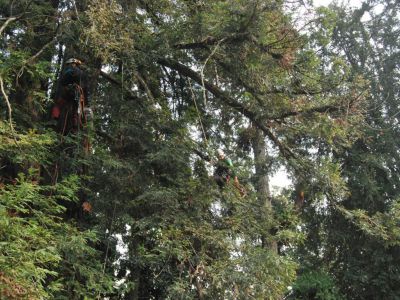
{"x":171,"y":81}
{"x":356,"y":241}
{"x":42,"y":254}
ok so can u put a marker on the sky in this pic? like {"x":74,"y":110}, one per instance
{"x":322,"y":2}
{"x":353,"y":3}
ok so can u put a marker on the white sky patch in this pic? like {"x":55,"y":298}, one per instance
{"x":279,"y":181}
{"x":322,"y":2}
{"x":348,"y":3}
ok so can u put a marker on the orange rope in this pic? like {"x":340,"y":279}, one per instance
{"x":83,"y":118}
{"x":64,"y":126}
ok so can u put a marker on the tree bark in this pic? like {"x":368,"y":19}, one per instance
{"x":261,"y":161}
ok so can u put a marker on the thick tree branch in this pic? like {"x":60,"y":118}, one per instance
{"x":237,"y":37}
{"x":145,"y":86}
{"x":182,"y":69}
{"x":212,"y":41}
{"x":320,"y":109}
{"x":297,"y":92}
{"x":202,"y":155}
{"x":257,"y":93}
{"x":225,"y":98}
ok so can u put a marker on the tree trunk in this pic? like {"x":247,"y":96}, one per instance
{"x":261,"y":161}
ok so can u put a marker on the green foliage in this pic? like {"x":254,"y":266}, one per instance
{"x":286,"y":221}
{"x":315,"y":285}
{"x":29,"y":244}
{"x":382,"y":226}
{"x":21,"y":148}
{"x":171,"y":81}
{"x":357,"y":240}
{"x":109,"y":29}
{"x":36,"y":245}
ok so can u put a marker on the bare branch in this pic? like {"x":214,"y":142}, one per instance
{"x":197,"y":108}
{"x":204,"y":66}
{"x":5,"y":24}
{"x":9,"y":107}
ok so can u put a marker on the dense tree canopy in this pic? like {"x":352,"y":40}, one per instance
{"x":126,"y":206}
{"x":364,"y":265}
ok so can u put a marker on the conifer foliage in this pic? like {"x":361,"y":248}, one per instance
{"x":360,"y":236}
{"x":137,"y":215}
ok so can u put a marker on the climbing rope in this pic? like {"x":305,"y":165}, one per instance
{"x":198,"y":112}
{"x":82,"y":119}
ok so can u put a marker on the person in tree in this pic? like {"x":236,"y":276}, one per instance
{"x":72,"y":111}
{"x":72,"y":100}
{"x":224,"y":171}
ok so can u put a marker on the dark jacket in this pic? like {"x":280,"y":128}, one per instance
{"x":73,"y":75}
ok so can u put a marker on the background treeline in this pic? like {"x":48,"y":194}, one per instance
{"x":274,"y":83}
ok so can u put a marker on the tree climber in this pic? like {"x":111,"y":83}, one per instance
{"x":72,"y":112}
{"x":72,"y":101}
{"x":224,"y":170}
